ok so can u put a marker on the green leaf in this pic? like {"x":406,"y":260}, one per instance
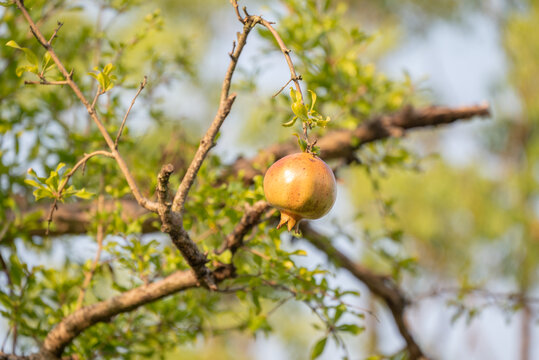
{"x":21,"y":69}
{"x":30,"y":56}
{"x":60,"y":166}
{"x":290,"y":123}
{"x":13,"y":44}
{"x":33,"y":183}
{"x":300,"y":110}
{"x":42,"y":193}
{"x":313,"y":99}
{"x":318,"y":348}
{"x":351,"y":328}
{"x":302,"y":143}
{"x":83,"y":194}
{"x":108,"y":68}
{"x":45,"y":64}
{"x":293,"y":95}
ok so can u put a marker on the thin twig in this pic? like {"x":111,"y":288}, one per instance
{"x":142,"y":85}
{"x":293,"y":76}
{"x":285,"y":85}
{"x":286,"y":52}
{"x":98,"y":93}
{"x":237,"y":10}
{"x":55,"y":33}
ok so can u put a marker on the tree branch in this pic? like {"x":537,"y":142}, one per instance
{"x":225,"y":104}
{"x":382,"y":286}
{"x":71,"y":326}
{"x":141,"y":87}
{"x":250,"y":218}
{"x":340,"y":144}
{"x":149,"y":205}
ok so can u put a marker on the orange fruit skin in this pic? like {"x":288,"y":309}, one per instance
{"x":301,"y":186}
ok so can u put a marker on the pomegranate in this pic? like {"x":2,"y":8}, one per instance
{"x":301,"y":186}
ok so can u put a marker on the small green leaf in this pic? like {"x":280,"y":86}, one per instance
{"x":313,"y":99}
{"x":318,"y":348}
{"x":60,"y":166}
{"x":33,"y":183}
{"x":13,"y":44}
{"x":21,"y":69}
{"x":290,"y":123}
{"x":108,"y":68}
{"x":293,"y":95}
{"x":46,"y":59}
{"x":83,"y":194}
{"x":351,"y":328}
{"x":300,"y":110}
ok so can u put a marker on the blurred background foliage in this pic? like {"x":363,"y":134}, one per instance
{"x":408,"y":212}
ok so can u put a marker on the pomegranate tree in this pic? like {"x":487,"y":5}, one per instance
{"x":301,"y":186}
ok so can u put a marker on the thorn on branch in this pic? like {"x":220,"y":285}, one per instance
{"x":245,"y":11}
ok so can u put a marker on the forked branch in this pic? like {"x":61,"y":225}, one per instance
{"x":144,"y":202}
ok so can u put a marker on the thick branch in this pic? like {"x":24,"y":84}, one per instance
{"x":382,"y":286}
{"x":63,"y":333}
{"x":341,"y":144}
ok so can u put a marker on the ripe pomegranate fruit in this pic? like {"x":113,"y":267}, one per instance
{"x":301,"y":186}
